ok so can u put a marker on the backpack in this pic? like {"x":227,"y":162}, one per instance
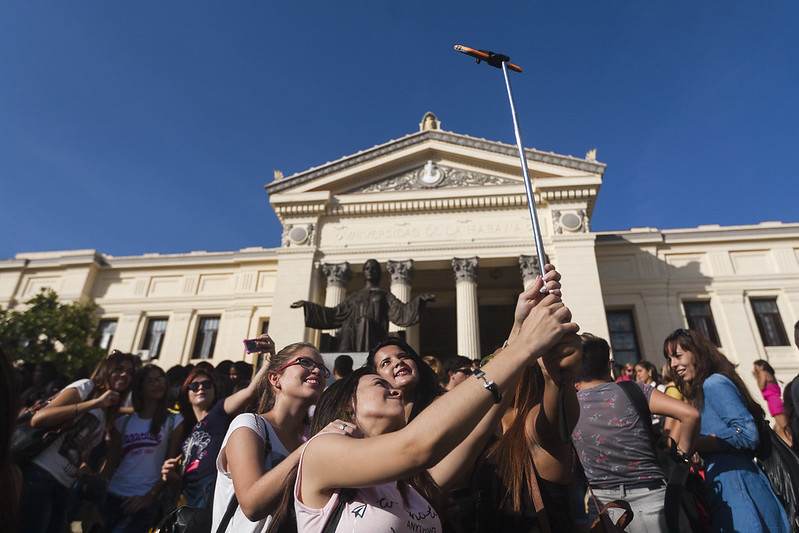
{"x":27,"y":442}
{"x":686,"y":493}
{"x":781,"y":466}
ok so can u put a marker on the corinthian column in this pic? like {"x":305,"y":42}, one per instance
{"x":466,"y":297}
{"x":402,"y":273}
{"x":338,"y":276}
{"x":528,"y":266}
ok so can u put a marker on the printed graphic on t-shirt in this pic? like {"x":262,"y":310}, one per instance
{"x":418,"y":519}
{"x":194,"y":449}
{"x":78,"y":441}
{"x":139,"y":443}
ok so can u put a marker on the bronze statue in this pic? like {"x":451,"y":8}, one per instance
{"x":364,"y":315}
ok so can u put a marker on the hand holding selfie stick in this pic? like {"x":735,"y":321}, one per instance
{"x":502,"y":61}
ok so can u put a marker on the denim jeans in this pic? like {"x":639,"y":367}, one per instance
{"x":42,"y":506}
{"x":200,"y":493}
{"x":116,"y":521}
{"x":646,"y":503}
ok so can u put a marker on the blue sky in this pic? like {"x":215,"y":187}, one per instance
{"x":136,"y":127}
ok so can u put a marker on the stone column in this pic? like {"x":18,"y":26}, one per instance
{"x":528,"y":266}
{"x":402,"y":273}
{"x":466,"y":297}
{"x":338,"y":277}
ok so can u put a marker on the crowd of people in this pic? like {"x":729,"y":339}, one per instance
{"x":404,"y":443}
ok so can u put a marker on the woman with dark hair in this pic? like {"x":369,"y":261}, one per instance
{"x":44,"y":373}
{"x":148,"y":437}
{"x":90,"y":407}
{"x":260,"y":450}
{"x":770,"y":389}
{"x":646,"y":372}
{"x":386,"y":470}
{"x":207,"y":420}
{"x":401,"y":366}
{"x":740,"y":496}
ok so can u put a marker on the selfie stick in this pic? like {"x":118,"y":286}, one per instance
{"x":502,"y":61}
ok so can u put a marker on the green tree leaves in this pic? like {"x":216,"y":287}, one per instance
{"x":51,"y":331}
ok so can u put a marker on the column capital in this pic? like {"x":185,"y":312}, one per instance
{"x":402,"y":272}
{"x":338,"y":274}
{"x":529,"y":267}
{"x":465,"y":269}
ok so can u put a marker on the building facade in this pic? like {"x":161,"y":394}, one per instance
{"x":443,"y":213}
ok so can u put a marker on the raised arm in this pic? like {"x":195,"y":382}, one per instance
{"x":238,"y":401}
{"x":68,"y":406}
{"x":441,"y":426}
{"x":459,"y":464}
{"x":560,"y":367}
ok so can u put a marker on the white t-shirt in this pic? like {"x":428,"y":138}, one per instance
{"x":142,"y":454}
{"x":63,"y":458}
{"x":223,"y":492}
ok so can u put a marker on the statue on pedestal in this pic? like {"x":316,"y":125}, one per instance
{"x":364,"y":315}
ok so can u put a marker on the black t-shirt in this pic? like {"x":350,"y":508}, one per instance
{"x":201,"y":447}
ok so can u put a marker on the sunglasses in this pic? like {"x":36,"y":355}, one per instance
{"x":158,"y":381}
{"x":308,"y":364}
{"x":206,"y":385}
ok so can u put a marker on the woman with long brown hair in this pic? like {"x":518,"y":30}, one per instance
{"x":259,"y":450}
{"x":740,"y":495}
{"x":90,"y":406}
{"x":385,"y":466}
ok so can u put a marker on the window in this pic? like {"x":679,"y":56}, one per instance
{"x":265,"y":326}
{"x":700,"y":318}
{"x":623,"y":339}
{"x":105,"y":333}
{"x":769,"y":322}
{"x":156,"y":328}
{"x":206,"y":338}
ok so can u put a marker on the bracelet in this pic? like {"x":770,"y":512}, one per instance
{"x":489,"y":385}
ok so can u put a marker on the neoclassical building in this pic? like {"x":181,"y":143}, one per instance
{"x":443,"y":213}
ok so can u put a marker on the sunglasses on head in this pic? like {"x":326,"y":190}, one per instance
{"x":195,"y":386}
{"x":308,"y":364}
{"x":467,"y":371}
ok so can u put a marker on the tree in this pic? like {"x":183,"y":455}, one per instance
{"x":51,"y":331}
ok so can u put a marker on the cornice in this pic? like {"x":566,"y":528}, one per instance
{"x":430,"y":135}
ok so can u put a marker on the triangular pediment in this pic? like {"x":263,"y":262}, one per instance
{"x":432,"y":176}
{"x":433,"y":168}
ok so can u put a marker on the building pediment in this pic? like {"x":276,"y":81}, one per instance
{"x":433,"y":176}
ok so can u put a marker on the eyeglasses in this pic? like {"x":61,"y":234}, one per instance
{"x":206,"y":385}
{"x":160,"y":381}
{"x":308,"y":364}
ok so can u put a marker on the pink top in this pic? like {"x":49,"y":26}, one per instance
{"x":379,"y":508}
{"x":772,"y":396}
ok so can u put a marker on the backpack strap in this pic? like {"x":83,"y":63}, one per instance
{"x":345,"y":496}
{"x":637,"y":398}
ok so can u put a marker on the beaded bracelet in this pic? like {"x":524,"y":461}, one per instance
{"x":489,"y":385}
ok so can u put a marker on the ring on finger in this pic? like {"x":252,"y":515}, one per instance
{"x":343,"y":426}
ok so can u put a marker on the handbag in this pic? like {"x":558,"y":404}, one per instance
{"x":605,"y":524}
{"x":27,"y":442}
{"x":686,"y":494}
{"x":781,"y":466}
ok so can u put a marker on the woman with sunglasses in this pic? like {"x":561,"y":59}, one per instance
{"x":89,"y":407}
{"x":208,"y":418}
{"x":148,"y":436}
{"x":260,"y":450}
{"x":740,"y":495}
